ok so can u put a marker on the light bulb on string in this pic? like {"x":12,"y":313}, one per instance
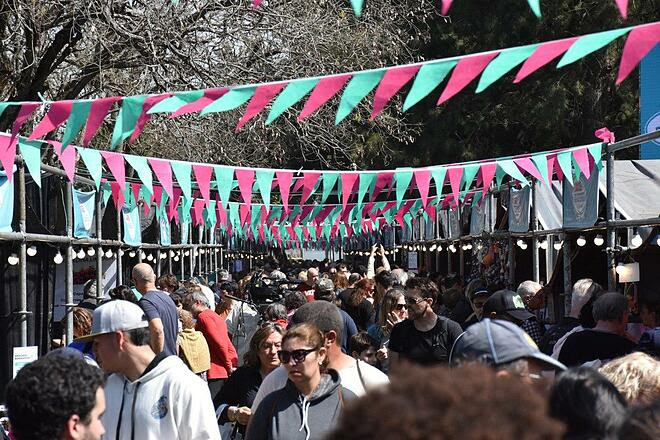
{"x":143,"y":255}
{"x":108,"y":253}
{"x":581,"y":241}
{"x":598,"y":241}
{"x":32,"y":251}
{"x":91,"y":252}
{"x":150,"y":257}
{"x":57,"y":259}
{"x":523,"y":245}
{"x":176,"y":258}
{"x":558,"y":245}
{"x":12,"y":259}
{"x":636,"y":241}
{"x":131,"y":254}
{"x":543,"y":244}
{"x":81,"y":254}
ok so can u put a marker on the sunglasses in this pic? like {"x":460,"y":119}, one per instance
{"x":413,"y":301}
{"x":400,"y":307}
{"x":298,"y":356}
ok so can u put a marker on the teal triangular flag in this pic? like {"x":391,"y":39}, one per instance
{"x":565,"y":163}
{"x":141,"y":167}
{"x":329,"y":181}
{"x":76,"y":121}
{"x":294,"y":92}
{"x":357,"y":7}
{"x":275,"y":213}
{"x":186,"y":206}
{"x":4,"y":105}
{"x":427,"y":79}
{"x":590,"y":43}
{"x":225,"y":181}
{"x":438,"y":175}
{"x":182,"y":173}
{"x":541,"y":163}
{"x":499,"y":176}
{"x":357,"y":88}
{"x":92,"y":160}
{"x":476,"y":197}
{"x":367,"y":180}
{"x":175,"y":102}
{"x":234,"y":217}
{"x":31,"y":152}
{"x":230,"y":100}
{"x":596,"y":151}
{"x":402,"y":179}
{"x":130,"y":111}
{"x":265,"y":183}
{"x":512,"y":170}
{"x":469,"y":172}
{"x":536,"y":7}
{"x":500,"y":66}
{"x":107,"y":192}
{"x":576,"y":167}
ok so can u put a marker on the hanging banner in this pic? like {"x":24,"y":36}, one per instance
{"x":478,"y":218}
{"x":519,"y":204}
{"x":7,"y":202}
{"x":132,"y":231}
{"x":184,"y":231}
{"x":83,"y":213}
{"x":455,"y":222}
{"x":164,"y":227}
{"x":581,"y":201}
{"x":649,"y":108}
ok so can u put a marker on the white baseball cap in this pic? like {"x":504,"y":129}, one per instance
{"x":115,"y":316}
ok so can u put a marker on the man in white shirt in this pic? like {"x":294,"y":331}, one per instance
{"x":357,"y":376}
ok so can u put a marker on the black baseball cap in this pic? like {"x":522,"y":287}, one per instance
{"x":498,"y":342}
{"x":507,"y":302}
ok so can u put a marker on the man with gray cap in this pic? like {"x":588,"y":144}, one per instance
{"x":149,"y":396}
{"x":505,"y":346}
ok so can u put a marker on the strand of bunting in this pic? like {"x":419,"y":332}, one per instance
{"x":135,"y":111}
{"x":239,"y":200}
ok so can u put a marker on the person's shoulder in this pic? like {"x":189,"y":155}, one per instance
{"x":372,"y":375}
{"x":272,"y":398}
{"x":450,"y":323}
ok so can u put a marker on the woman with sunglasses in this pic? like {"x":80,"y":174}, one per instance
{"x":236,"y":397}
{"x":392,"y":311}
{"x":309,"y":405}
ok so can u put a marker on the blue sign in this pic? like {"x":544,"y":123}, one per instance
{"x":7,"y":202}
{"x":132,"y":231}
{"x":83,"y":213}
{"x":650,"y":102}
{"x":164,"y":223}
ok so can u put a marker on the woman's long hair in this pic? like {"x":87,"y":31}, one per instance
{"x":251,"y":358}
{"x":361,"y":291}
{"x":390,"y":300}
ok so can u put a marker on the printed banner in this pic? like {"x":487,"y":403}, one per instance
{"x":519,"y":204}
{"x":185,"y":227}
{"x":6,"y":202}
{"x":581,"y":201}
{"x":649,"y":90}
{"x":132,"y":230}
{"x":84,"y":218}
{"x":454,"y":223}
{"x":164,"y":227}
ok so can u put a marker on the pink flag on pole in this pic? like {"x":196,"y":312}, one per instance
{"x":640,"y":41}
{"x":623,"y":8}
{"x":57,"y":115}
{"x":526,"y":164}
{"x":262,"y":96}
{"x":309,"y":181}
{"x":325,"y":89}
{"x":144,"y":116}
{"x":487,"y":174}
{"x":455,"y":174}
{"x":581,"y":156}
{"x":163,"y":171}
{"x":210,"y":95}
{"x":174,"y":204}
{"x":284,"y":179}
{"x":389,"y":85}
{"x":203,"y":175}
{"x":348,"y":181}
{"x":115,"y":162}
{"x":542,"y":55}
{"x":423,"y":181}
{"x":157,"y":196}
{"x":67,"y":158}
{"x":245,"y":178}
{"x":7,"y":154}
{"x":446,"y":4}
{"x":198,"y":207}
{"x":97,"y":113}
{"x":117,"y":195}
{"x":467,"y":69}
{"x":384,"y":179}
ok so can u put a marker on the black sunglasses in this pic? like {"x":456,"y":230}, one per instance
{"x":298,"y":356}
{"x":400,"y":307}
{"x":413,"y":301}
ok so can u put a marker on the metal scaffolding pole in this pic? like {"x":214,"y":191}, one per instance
{"x":611,"y":231}
{"x":120,"y":268}
{"x":99,"y":249}
{"x":536,"y":272}
{"x":23,"y":312}
{"x":568,"y":282}
{"x":68,"y":207}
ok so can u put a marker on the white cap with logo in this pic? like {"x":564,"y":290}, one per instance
{"x":115,"y":316}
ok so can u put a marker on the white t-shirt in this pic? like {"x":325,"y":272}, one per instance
{"x":350,"y":379}
{"x":241,"y":337}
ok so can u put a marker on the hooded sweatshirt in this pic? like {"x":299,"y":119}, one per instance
{"x":288,"y":415}
{"x":167,"y":402}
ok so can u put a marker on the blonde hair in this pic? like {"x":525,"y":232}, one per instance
{"x":636,"y":376}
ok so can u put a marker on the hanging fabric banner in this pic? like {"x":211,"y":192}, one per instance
{"x":519,"y":204}
{"x":7,"y":202}
{"x":580,"y":205}
{"x":84,"y":218}
{"x":164,"y":226}
{"x":185,"y":227}
{"x":132,"y":231}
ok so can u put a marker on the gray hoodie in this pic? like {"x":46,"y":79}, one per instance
{"x":286,"y":414}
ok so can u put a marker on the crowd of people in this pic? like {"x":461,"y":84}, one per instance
{"x":363,"y":352}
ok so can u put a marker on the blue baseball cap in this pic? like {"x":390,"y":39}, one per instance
{"x":498,"y":342}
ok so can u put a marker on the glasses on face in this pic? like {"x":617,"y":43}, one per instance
{"x":413,"y":301}
{"x":400,"y":307}
{"x":298,"y":356}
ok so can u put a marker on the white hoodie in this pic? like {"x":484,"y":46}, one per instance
{"x":168,"y":403}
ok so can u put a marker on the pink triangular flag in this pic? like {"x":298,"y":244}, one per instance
{"x":97,"y":113}
{"x":431,"y":211}
{"x":323,"y":214}
{"x":245,"y":178}
{"x":115,"y":163}
{"x":284,"y":181}
{"x":526,"y":164}
{"x":262,"y":96}
{"x":222,"y":213}
{"x":173,"y":212}
{"x":581,"y":156}
{"x":163,"y":171}
{"x":7,"y":155}
{"x":640,"y":41}
{"x":198,"y":207}
{"x":297,"y":185}
{"x":256,"y":4}
{"x":67,"y":158}
{"x":157,"y":196}
{"x":325,"y":89}
{"x":57,"y":115}
{"x":348,"y":181}
{"x":487,"y":174}
{"x":203,"y":175}
{"x":117,"y":195}
{"x":392,"y":81}
{"x":384,"y":179}
{"x":144,"y":116}
{"x":404,"y":209}
{"x":542,"y":55}
{"x":623,"y":8}
{"x":135,"y":186}
{"x":467,"y":69}
{"x":423,"y":181}
{"x":446,"y":4}
{"x":309,"y":182}
{"x":455,"y":174}
{"x":210,"y":95}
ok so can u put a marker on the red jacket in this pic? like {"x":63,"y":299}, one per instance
{"x":223,"y":353}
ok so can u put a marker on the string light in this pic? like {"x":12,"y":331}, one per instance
{"x":81,"y":254}
{"x":636,"y":241}
{"x":32,"y":251}
{"x":558,"y":245}
{"x":543,"y":244}
{"x":57,"y":259}
{"x":91,"y":252}
{"x":108,"y":253}
{"x":131,"y":254}
{"x":581,"y":241}
{"x":12,"y":259}
{"x":598,"y":241}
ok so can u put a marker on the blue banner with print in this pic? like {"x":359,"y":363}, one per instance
{"x":131,"y":220}
{"x":649,"y":90}
{"x":83,"y":213}
{"x":164,"y":226}
{"x":519,"y":204}
{"x":6,"y":202}
{"x":185,"y":227}
{"x":580,"y":207}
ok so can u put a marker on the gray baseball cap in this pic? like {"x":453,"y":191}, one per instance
{"x":497,"y":342}
{"x":115,"y":316}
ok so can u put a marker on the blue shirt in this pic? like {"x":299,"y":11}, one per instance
{"x":157,"y":304}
